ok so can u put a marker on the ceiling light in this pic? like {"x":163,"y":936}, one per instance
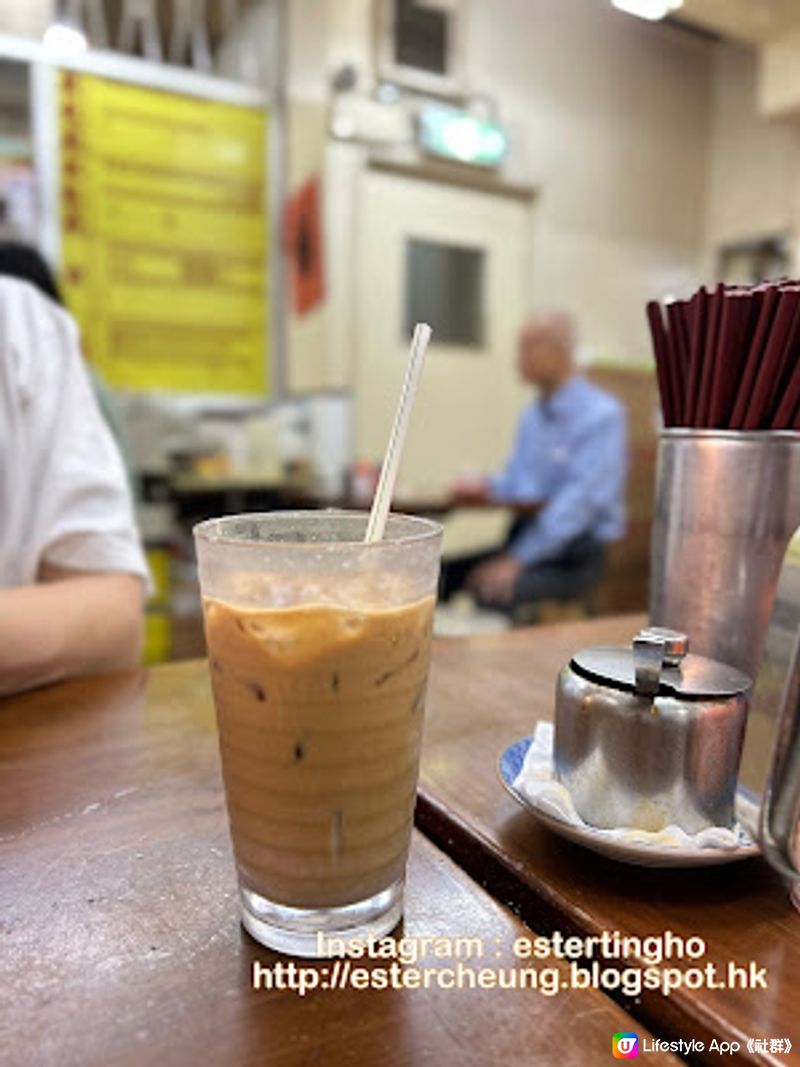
{"x":63,"y":38}
{"x":648,"y":9}
{"x":65,"y":32}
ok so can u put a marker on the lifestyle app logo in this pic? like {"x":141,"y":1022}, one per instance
{"x":625,"y":1046}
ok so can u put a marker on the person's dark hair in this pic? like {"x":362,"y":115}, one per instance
{"x":23,"y":261}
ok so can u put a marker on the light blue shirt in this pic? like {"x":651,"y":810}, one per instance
{"x":570,"y":453}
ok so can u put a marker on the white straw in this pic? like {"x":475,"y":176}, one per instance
{"x":391,"y":461}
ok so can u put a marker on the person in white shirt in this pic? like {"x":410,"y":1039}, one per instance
{"x":72,"y":570}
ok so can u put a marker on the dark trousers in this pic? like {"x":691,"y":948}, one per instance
{"x":571,"y":575}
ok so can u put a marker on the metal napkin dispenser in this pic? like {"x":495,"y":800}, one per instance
{"x":648,"y":735}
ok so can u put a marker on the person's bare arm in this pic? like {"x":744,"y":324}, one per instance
{"x":70,"y":623}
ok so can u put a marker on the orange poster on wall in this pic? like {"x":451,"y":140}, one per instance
{"x":304,"y":247}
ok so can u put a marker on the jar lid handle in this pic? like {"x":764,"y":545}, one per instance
{"x":654,"y":648}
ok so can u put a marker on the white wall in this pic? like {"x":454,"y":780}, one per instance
{"x":754,"y":163}
{"x":611,"y":120}
{"x":308,"y":44}
{"x":643,"y":140}
{"x":28,"y":18}
{"x":249,"y":52}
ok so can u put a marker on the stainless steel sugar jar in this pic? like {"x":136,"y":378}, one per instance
{"x":648,"y":736}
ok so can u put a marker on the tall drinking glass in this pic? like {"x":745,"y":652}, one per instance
{"x":318,"y":649}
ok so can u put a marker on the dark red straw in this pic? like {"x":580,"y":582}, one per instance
{"x":703,"y":406}
{"x":754,"y":356}
{"x":661,"y":350}
{"x":730,"y":359}
{"x":759,"y":414}
{"x":785,"y":372}
{"x":790,"y":400}
{"x":698,"y":318}
{"x":678,"y":335}
{"x":676,"y":375}
{"x":739,"y":312}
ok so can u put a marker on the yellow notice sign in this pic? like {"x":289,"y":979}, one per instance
{"x":164,"y":226}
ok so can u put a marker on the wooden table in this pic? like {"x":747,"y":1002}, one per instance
{"x":489,"y":691}
{"x":196,"y":495}
{"x":118,"y":920}
{"x":197,"y":498}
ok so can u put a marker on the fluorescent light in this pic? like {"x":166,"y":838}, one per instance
{"x":648,"y":9}
{"x":455,"y":134}
{"x":64,"y":38}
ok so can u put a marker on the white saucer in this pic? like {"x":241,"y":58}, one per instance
{"x":635,"y":851}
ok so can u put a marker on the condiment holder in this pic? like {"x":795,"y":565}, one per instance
{"x":649,"y":736}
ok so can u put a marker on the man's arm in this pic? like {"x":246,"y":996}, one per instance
{"x":506,"y":486}
{"x":515,"y":487}
{"x":71,"y":623}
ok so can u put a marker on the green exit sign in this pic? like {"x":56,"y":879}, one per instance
{"x":454,"y":134}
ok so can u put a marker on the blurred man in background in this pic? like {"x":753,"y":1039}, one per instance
{"x":565,"y":481}
{"x":72,"y":571}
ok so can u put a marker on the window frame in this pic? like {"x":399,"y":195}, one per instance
{"x":450,"y":84}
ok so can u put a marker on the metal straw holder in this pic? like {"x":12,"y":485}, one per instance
{"x":727,"y":503}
